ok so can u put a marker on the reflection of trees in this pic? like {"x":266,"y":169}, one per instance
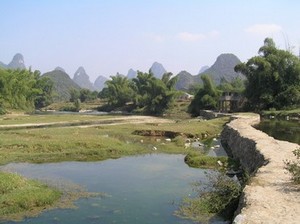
{"x":281,"y":129}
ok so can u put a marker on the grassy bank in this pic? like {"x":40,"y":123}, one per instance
{"x":282,"y":113}
{"x":198,"y":160}
{"x":93,"y":143}
{"x":37,"y":145}
{"x":20,"y":196}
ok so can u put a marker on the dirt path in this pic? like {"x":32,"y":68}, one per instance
{"x":270,"y":197}
{"x":105,"y":121}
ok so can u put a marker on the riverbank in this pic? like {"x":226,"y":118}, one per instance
{"x":96,"y":137}
{"x":22,"y":197}
{"x":48,"y":138}
{"x":282,"y":114}
{"x":270,"y":196}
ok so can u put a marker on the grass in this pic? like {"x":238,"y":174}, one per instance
{"x":199,"y":160}
{"x":92,"y":143}
{"x":91,"y":105}
{"x":22,"y":196}
{"x":179,"y":110}
{"x":194,"y":127}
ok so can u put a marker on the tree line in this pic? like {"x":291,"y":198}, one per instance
{"x":145,"y":93}
{"x":273,"y":78}
{"x":24,"y":90}
{"x":272,"y":81}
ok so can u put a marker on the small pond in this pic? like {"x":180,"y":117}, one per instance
{"x":286,"y":130}
{"x":140,"y":189}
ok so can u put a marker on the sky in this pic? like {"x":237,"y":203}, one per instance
{"x":110,"y":36}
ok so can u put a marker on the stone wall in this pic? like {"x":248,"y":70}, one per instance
{"x":208,"y":114}
{"x":242,"y":148}
{"x":269,"y":197}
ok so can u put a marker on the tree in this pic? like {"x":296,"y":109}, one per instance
{"x":154,"y":95}
{"x":74,"y":95}
{"x":146,"y":93}
{"x":142,"y":87}
{"x":24,"y":89}
{"x":44,"y":98}
{"x":206,"y":97}
{"x":236,"y":85}
{"x":87,"y":95}
{"x":273,"y":78}
{"x":104,"y":93}
{"x":119,"y":90}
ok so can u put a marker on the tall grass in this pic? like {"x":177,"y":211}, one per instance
{"x":19,"y":194}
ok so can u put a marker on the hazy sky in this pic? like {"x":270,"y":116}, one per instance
{"x":110,"y":36}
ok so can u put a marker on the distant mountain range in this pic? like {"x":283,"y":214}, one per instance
{"x":82,"y":79}
{"x":157,"y":70}
{"x":185,"y":80}
{"x":131,"y":74}
{"x":223,"y":68}
{"x":62,"y":84}
{"x":99,"y":83}
{"x":203,"y":69}
{"x":16,"y":63}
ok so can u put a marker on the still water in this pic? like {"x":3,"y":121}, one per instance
{"x":281,"y":129}
{"x":141,"y":189}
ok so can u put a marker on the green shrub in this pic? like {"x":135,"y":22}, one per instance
{"x":199,"y":160}
{"x":294,"y":167}
{"x":179,"y":140}
{"x":219,"y":196}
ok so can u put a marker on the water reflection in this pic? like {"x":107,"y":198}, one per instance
{"x":281,"y":129}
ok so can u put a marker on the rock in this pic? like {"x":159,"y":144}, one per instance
{"x":220,"y":163}
{"x":239,"y":219}
{"x":154,"y":148}
{"x":187,"y":145}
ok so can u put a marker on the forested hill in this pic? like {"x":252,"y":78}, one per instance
{"x":186,"y":80}
{"x":62,"y":84}
{"x":223,"y":68}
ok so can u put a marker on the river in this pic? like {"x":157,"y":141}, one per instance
{"x":140,"y":189}
{"x":287,"y":130}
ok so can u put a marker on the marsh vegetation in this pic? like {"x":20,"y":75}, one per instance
{"x":89,"y":139}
